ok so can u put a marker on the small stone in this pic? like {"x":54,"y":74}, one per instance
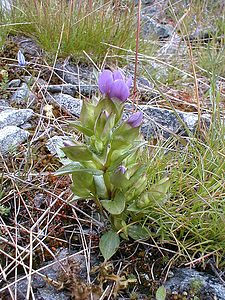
{"x":30,"y":80}
{"x":186,"y":280}
{"x":39,"y":200}
{"x":55,"y":144}
{"x":4,"y":105}
{"x":27,"y":45}
{"x":62,"y":88}
{"x":67,"y":103}
{"x":82,"y":77}
{"x":23,"y":95}
{"x":15,"y":117}
{"x":11,"y":137}
{"x":14,"y":83}
{"x":152,"y":27}
{"x":5,"y":5}
{"x":164,"y":122}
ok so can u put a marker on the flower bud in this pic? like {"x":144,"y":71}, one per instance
{"x":21,"y":59}
{"x":122,"y":169}
{"x":136,"y":119}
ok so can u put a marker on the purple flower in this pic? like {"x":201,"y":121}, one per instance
{"x":122,"y":169}
{"x":136,"y":119}
{"x":21,"y":59}
{"x":114,"y":85}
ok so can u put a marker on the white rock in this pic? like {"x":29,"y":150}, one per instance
{"x":67,"y":103}
{"x":5,"y":5}
{"x":15,"y":117}
{"x":23,"y":95}
{"x":11,"y":137}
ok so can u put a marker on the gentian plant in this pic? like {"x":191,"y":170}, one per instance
{"x":107,"y":166}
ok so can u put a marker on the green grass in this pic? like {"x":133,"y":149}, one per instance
{"x":207,"y":17}
{"x":71,"y":28}
{"x":193,"y":219}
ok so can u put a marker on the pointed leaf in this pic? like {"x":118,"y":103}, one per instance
{"x":83,"y":185}
{"x":109,"y":244}
{"x":76,"y":168}
{"x":87,"y":115}
{"x":161,"y":293}
{"x":138,"y":232}
{"x":78,"y":125}
{"x":133,"y":207}
{"x":116,"y":206}
{"x":158,"y":191}
{"x":100,"y":186}
{"x":78,"y":153}
{"x":69,"y":168}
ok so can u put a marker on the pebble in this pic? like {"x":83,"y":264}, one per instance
{"x":23,"y":95}
{"x":15,"y":117}
{"x":68,"y":103}
{"x":11,"y":137}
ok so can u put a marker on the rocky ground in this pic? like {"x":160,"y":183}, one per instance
{"x":56,"y":255}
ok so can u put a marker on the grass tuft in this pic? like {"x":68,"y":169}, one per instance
{"x":74,"y":26}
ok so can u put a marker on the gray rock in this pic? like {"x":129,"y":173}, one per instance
{"x":175,"y":46}
{"x":15,"y":117}
{"x":153,"y":27}
{"x":41,"y":288}
{"x":81,"y":77}
{"x":14,"y":83}
{"x":55,"y":144}
{"x":62,"y":88}
{"x":11,"y":137}
{"x":5,"y":5}
{"x":203,"y":285}
{"x":51,"y":294}
{"x":4,"y":105}
{"x":23,"y":95}
{"x":164,"y":122}
{"x":67,"y":103}
{"x":27,"y":45}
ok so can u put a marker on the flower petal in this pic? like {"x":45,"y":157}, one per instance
{"x":105,"y":81}
{"x":21,"y":59}
{"x":136,"y":119}
{"x":122,"y":169}
{"x":119,"y":90}
{"x":118,"y":75}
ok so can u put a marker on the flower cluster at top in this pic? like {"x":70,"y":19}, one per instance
{"x":114,"y":85}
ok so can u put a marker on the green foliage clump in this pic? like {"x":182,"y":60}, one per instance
{"x":108,"y":168}
{"x":71,"y":27}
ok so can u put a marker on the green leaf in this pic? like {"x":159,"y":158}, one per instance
{"x":138,"y":232}
{"x":158,"y":191}
{"x":81,"y":153}
{"x":100,"y":186}
{"x":78,"y":125}
{"x":161,"y":293}
{"x":120,"y":225}
{"x":83,"y":184}
{"x":106,"y":133}
{"x":120,"y":155}
{"x":76,"y":168}
{"x":87,"y":115}
{"x":119,"y":180}
{"x":124,"y":136}
{"x":78,"y":153}
{"x":109,"y":243}
{"x":116,"y":206}
{"x":133,"y":207}
{"x":69,"y":168}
